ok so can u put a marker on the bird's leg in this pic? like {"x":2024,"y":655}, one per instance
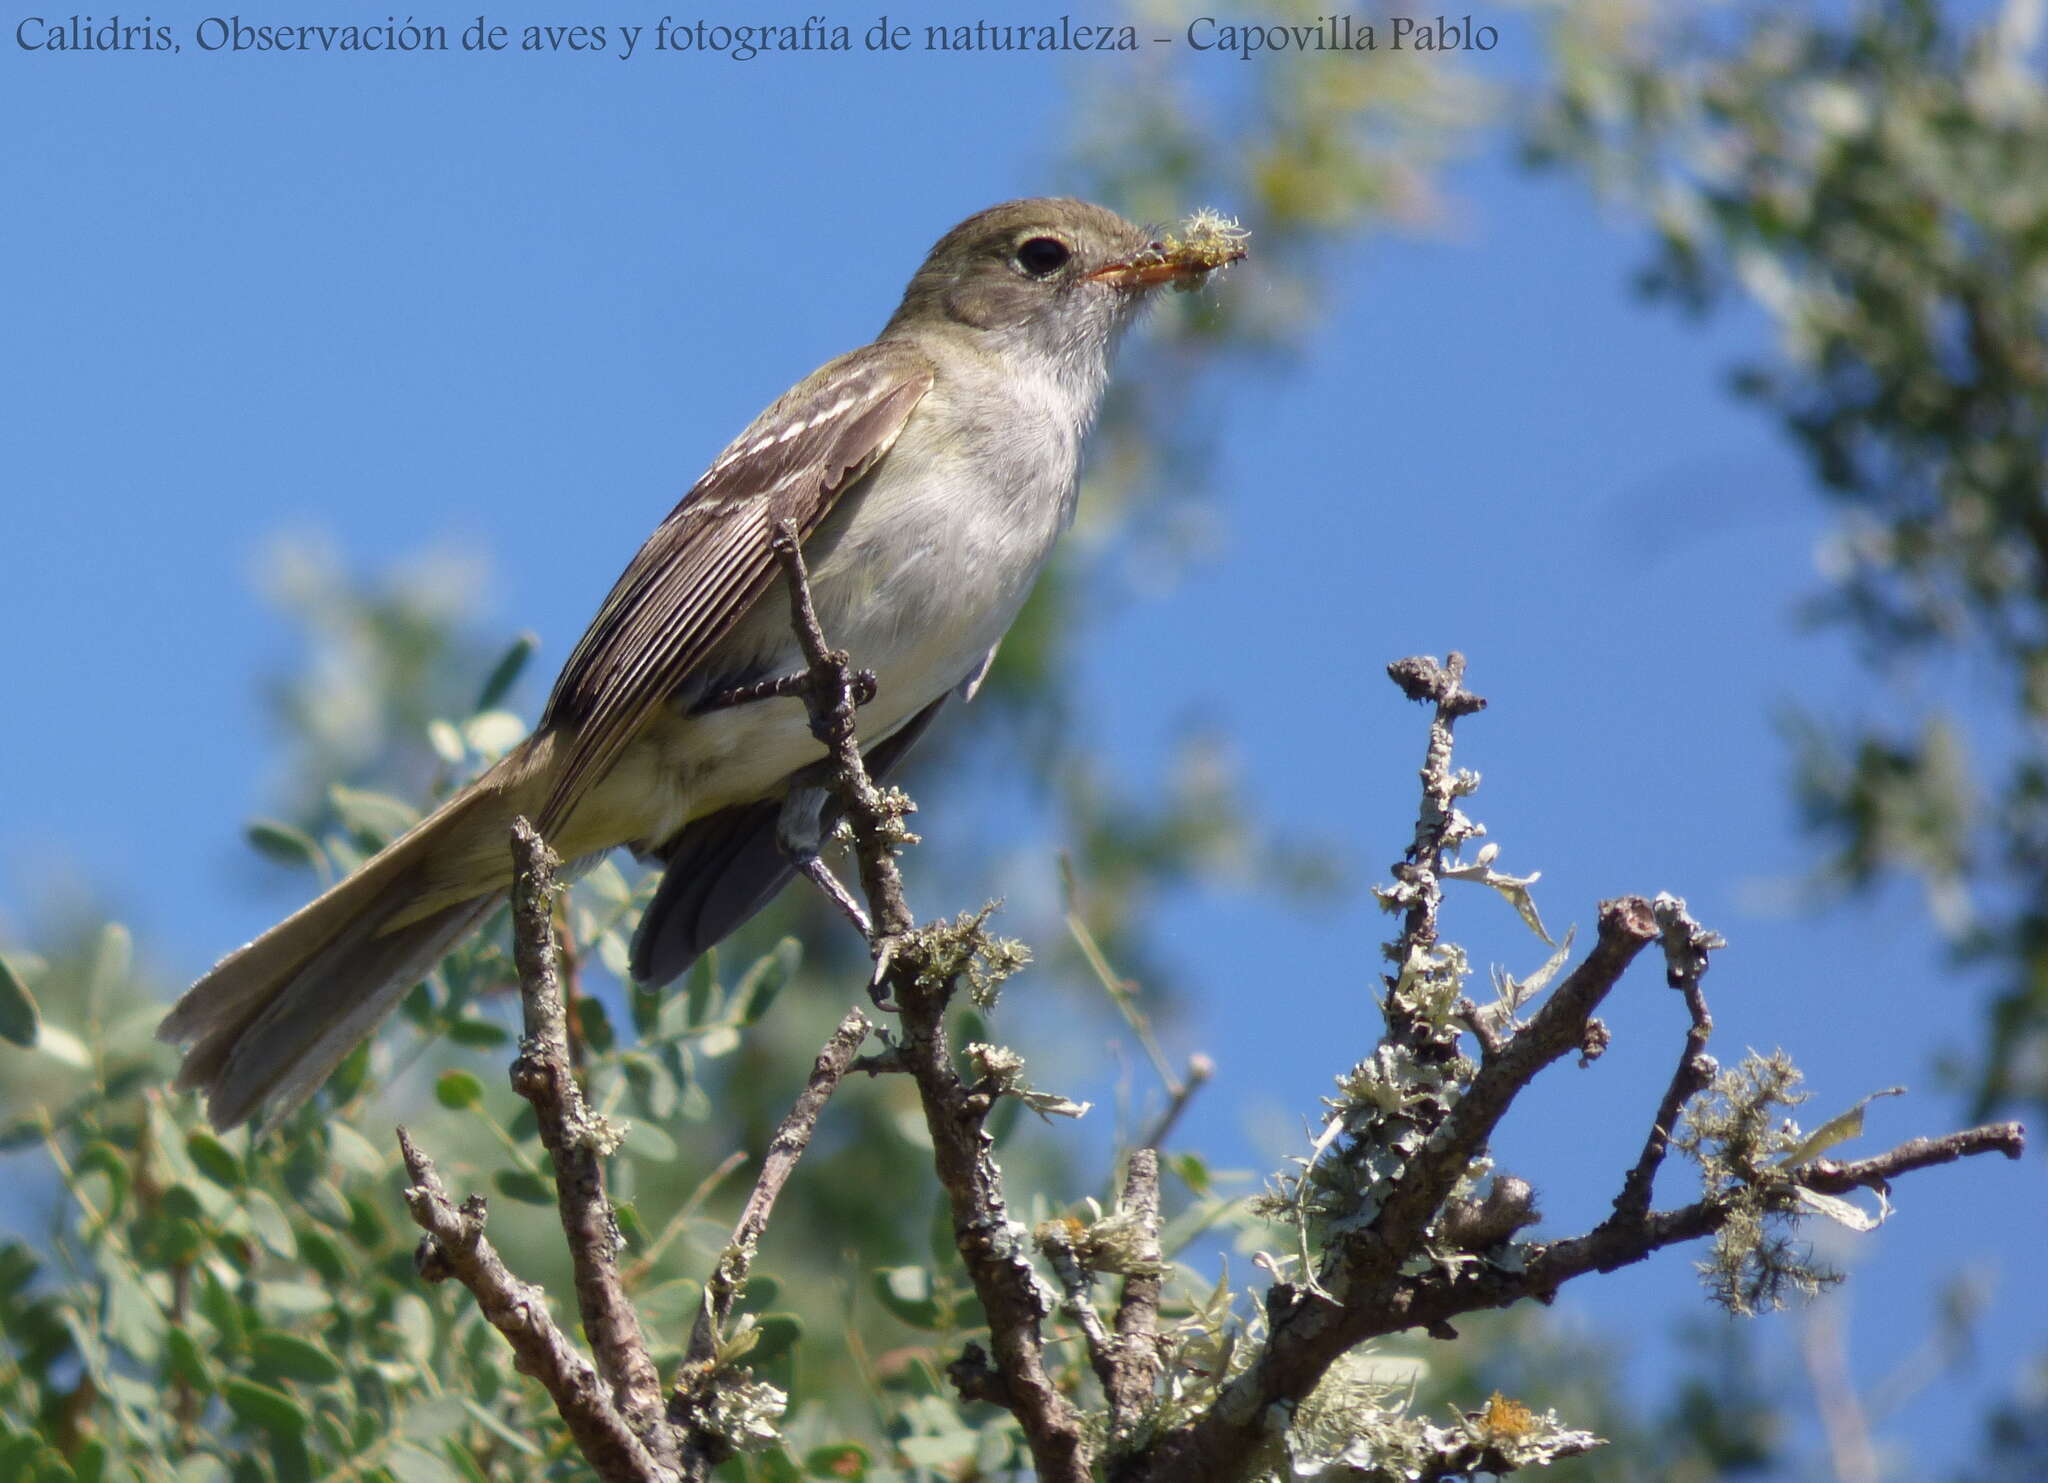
{"x":800,"y":833}
{"x":780,"y":687}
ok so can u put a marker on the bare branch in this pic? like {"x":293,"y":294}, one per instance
{"x":1686,"y":945}
{"x":791,"y":1138}
{"x":454,"y":1246}
{"x":577,"y":1141}
{"x":1199,"y":1069}
{"x":692,"y":1407}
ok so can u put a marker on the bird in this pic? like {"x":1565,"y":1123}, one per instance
{"x":926,"y":476}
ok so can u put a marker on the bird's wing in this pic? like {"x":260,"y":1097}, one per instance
{"x":710,"y":561}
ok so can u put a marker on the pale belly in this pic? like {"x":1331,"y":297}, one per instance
{"x":911,"y":586}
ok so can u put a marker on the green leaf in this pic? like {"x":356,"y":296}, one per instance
{"x":218,"y":1305}
{"x":505,"y":673}
{"x":184,"y":1361}
{"x":525,"y":1187}
{"x":431,"y":1420}
{"x":266,"y":1409}
{"x":212,"y":1158}
{"x":1838,"y":1129}
{"x":654,"y":1087}
{"x":671,"y":1305}
{"x":907,"y":1293}
{"x":19,"y":1019}
{"x":498,"y":1429}
{"x":459,"y":1089}
{"x":290,"y":1461}
{"x":325,"y":1255}
{"x":779,"y":1334}
{"x":375,"y":815}
{"x":281,"y":842}
{"x":700,"y":997}
{"x":756,"y":991}
{"x":648,"y":1141}
{"x":355,"y":1153}
{"x":478,"y":1034}
{"x":292,"y":1300}
{"x":411,"y":1463}
{"x":446,"y":741}
{"x":89,"y":1462}
{"x":102,"y":1158}
{"x":294,"y":1358}
{"x":111,"y":959}
{"x":268,"y":1220}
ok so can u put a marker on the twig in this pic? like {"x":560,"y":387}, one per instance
{"x":1439,"y":828}
{"x":646,"y":1261}
{"x":792,"y":1137}
{"x":1137,"y":1364}
{"x":990,"y":1243}
{"x":1118,"y":989}
{"x":1200,"y":1068}
{"x":1310,"y":1326}
{"x":692,"y":1405}
{"x":1686,"y":945}
{"x":576,"y":1140}
{"x":454,"y":1246}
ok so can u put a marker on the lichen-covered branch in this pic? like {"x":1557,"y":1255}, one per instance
{"x":1136,"y":1367}
{"x":454,"y":1246}
{"x":917,"y":970}
{"x":1394,"y":1233}
{"x":577,"y":1141}
{"x":1686,"y":945}
{"x":612,"y":1406}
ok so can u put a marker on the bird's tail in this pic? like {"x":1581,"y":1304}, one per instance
{"x":265,"y":1028}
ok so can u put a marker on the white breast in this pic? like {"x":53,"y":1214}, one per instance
{"x":917,"y":574}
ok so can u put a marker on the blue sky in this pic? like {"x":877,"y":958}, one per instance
{"x":516,"y":303}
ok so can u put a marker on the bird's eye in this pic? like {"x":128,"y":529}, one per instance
{"x":1043,"y":256}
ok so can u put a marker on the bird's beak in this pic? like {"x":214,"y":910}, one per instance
{"x":1168,"y":262}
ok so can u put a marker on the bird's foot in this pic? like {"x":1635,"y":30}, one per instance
{"x":820,"y":875}
{"x":782,"y":687}
{"x":885,"y":954}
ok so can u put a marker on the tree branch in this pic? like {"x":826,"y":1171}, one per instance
{"x":917,"y":971}
{"x":689,"y":1408}
{"x":1686,"y":945}
{"x":454,"y":1246}
{"x":577,"y":1140}
{"x":1137,"y":1359}
{"x":612,"y":1407}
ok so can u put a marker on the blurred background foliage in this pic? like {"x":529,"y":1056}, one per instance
{"x":1872,"y":175}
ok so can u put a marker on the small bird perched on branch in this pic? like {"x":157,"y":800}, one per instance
{"x":926,"y":475}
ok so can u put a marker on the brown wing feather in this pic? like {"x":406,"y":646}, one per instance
{"x":709,"y":561}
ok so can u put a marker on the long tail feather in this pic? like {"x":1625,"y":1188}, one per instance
{"x":273,"y":1019}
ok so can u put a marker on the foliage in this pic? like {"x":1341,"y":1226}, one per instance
{"x":1873,"y":181}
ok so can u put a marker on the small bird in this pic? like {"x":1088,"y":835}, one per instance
{"x":926,"y":475}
